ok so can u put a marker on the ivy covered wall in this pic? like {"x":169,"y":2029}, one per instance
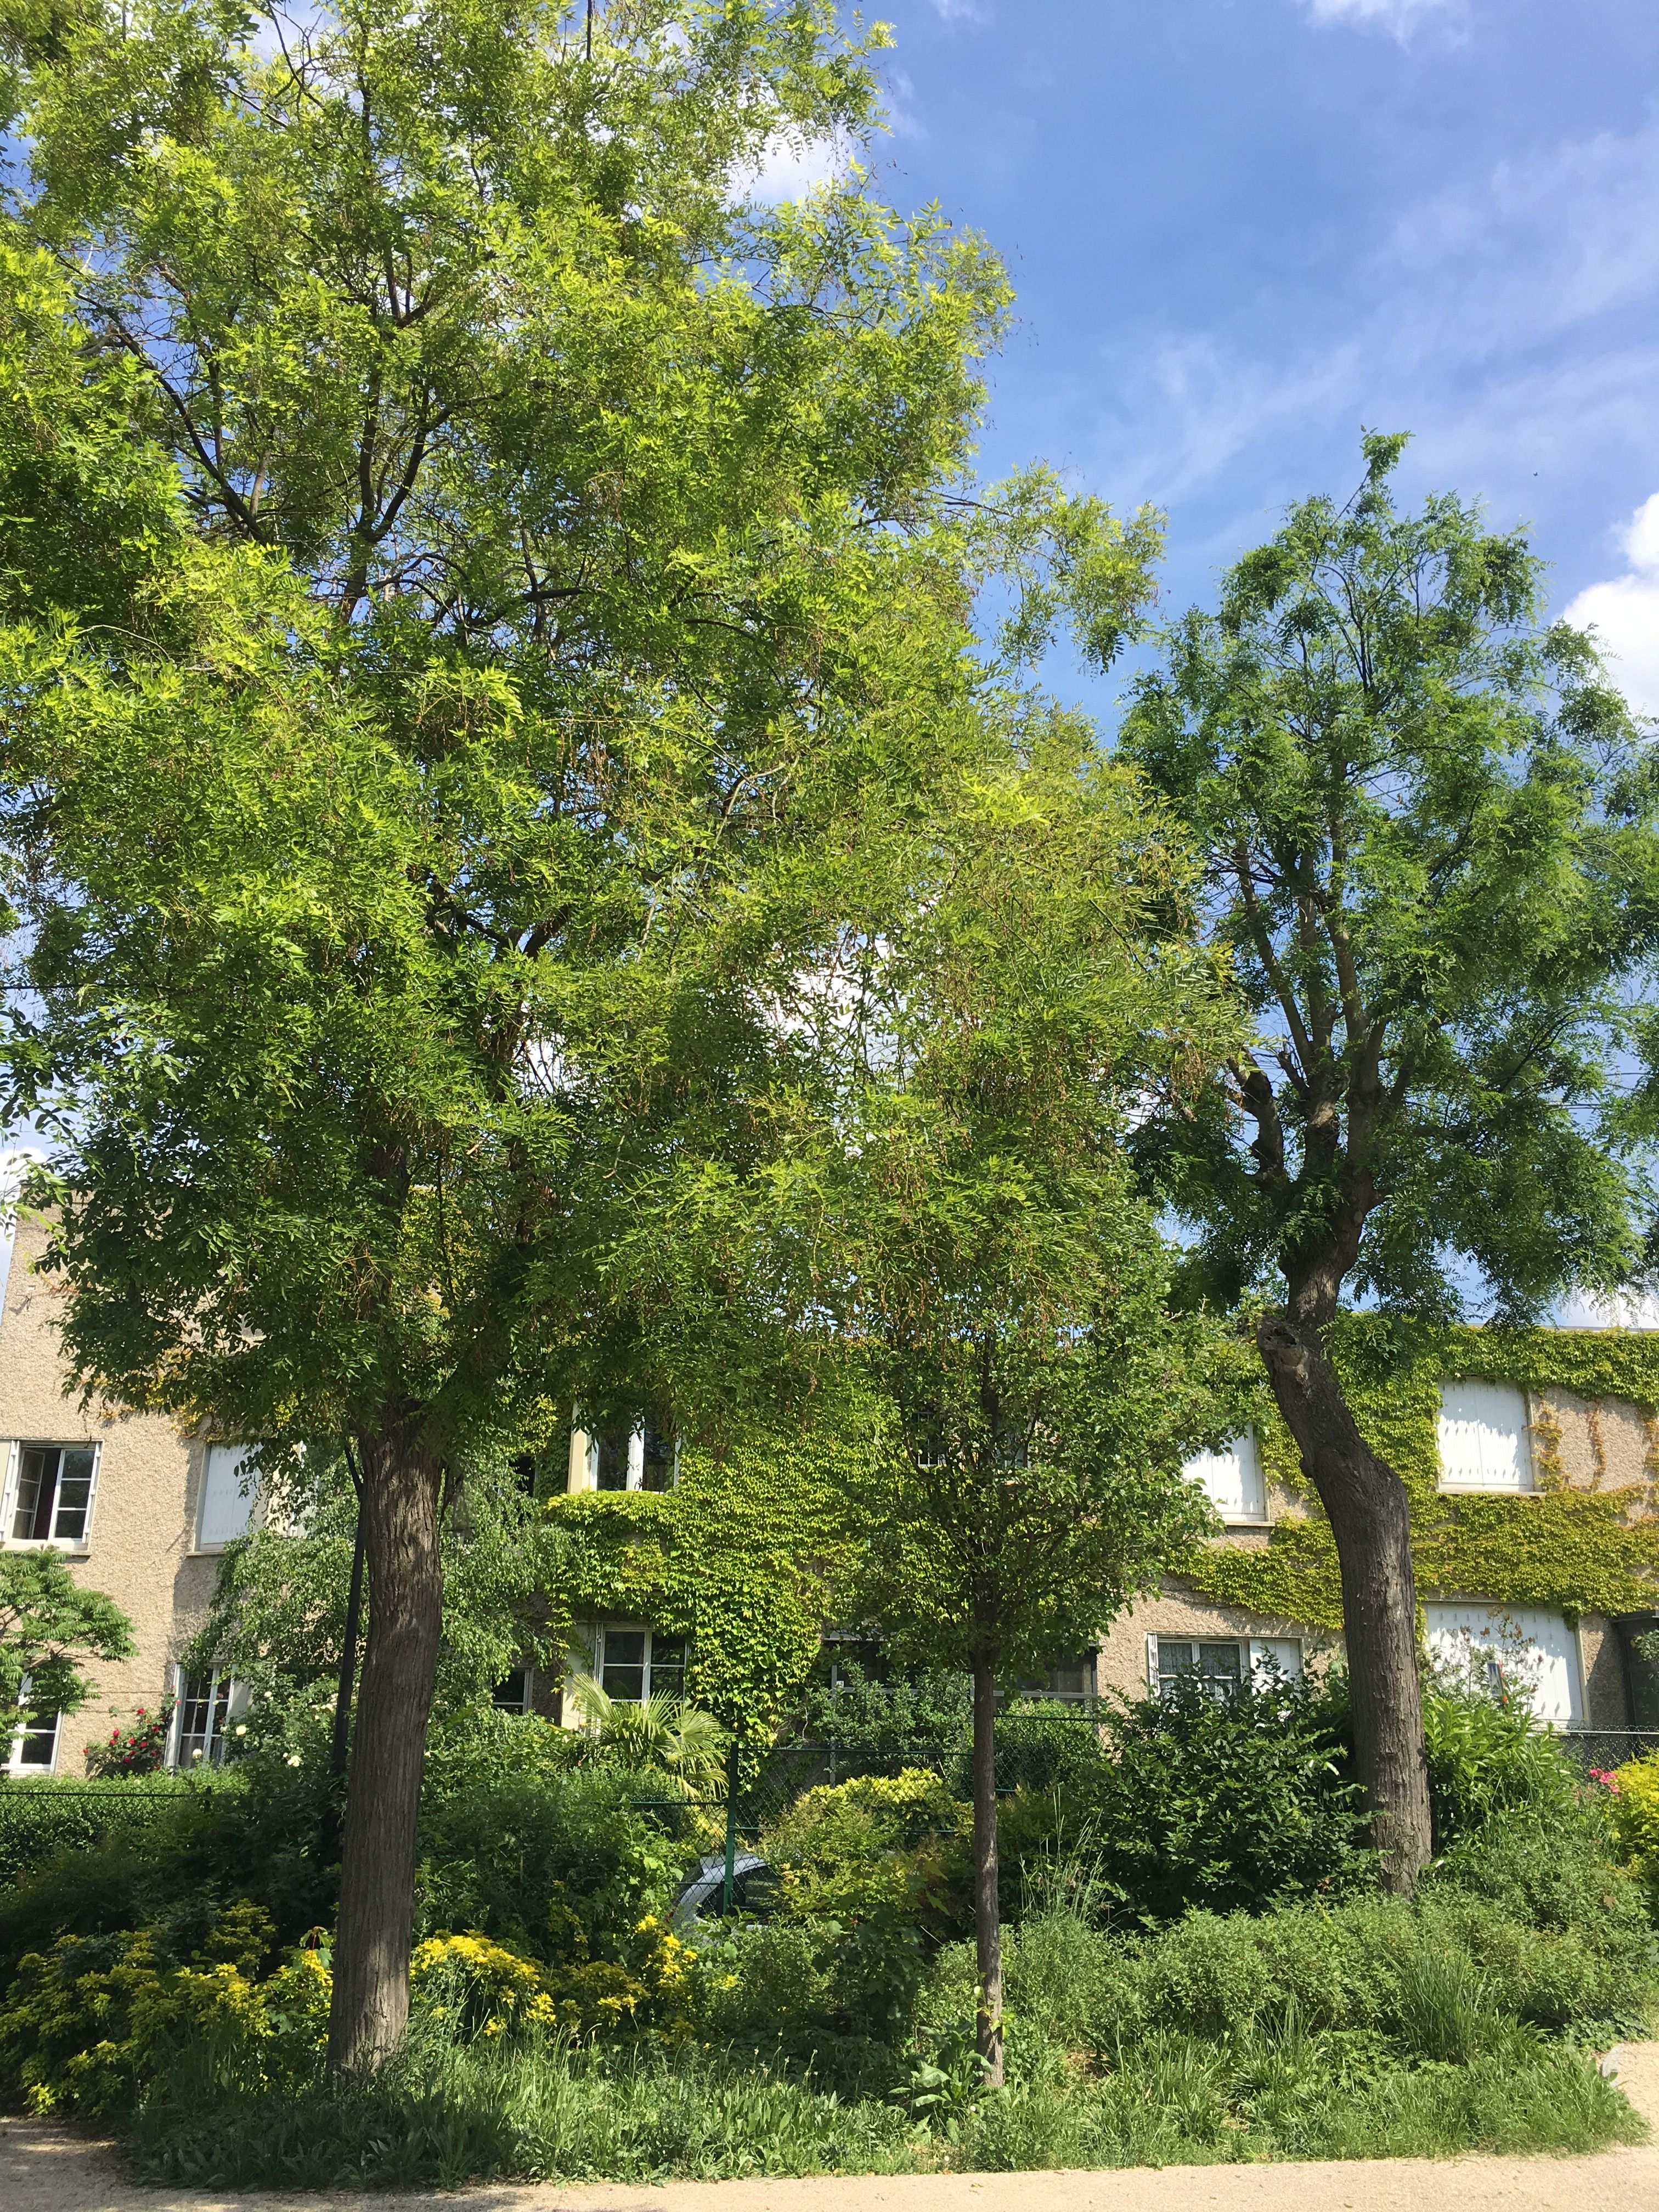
{"x":1591,"y":1549}
{"x":741,"y":1558}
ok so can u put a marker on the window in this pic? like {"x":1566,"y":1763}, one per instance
{"x":512,"y":1693}
{"x":1223,"y":1664}
{"x":1233,"y":1478}
{"x":1485,"y":1442}
{"x":1523,"y":1654}
{"x":635,"y":1663}
{"x":646,"y":1459}
{"x":202,"y":1718}
{"x":229,"y":1495}
{"x":54,"y":1493}
{"x":34,"y":1739}
{"x":1070,"y":1682}
{"x":1218,"y":1667}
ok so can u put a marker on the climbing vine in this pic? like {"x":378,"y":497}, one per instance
{"x":743,"y":1558}
{"x":1582,"y":1550}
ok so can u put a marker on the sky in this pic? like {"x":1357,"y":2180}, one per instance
{"x":1242,"y":229}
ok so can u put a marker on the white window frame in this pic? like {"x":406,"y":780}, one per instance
{"x":14,"y":1765}
{"x":1481,"y":1485}
{"x":527,"y":1701}
{"x":1246,"y":1449}
{"x":1261,"y":1659}
{"x":584,"y":1464}
{"x":235,"y":1704}
{"x":76,"y":1546}
{"x":200,"y":1547}
{"x":637,"y":1628}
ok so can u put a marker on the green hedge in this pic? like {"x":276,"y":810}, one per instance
{"x":38,"y":1819}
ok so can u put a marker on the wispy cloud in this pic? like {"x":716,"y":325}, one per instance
{"x":788,"y":171}
{"x":1395,"y":16}
{"x":1623,"y":611}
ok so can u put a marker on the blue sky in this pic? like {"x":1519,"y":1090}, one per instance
{"x":1242,"y":228}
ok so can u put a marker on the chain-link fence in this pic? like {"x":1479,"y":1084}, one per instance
{"x":38,"y":1819}
{"x":1599,"y":1750}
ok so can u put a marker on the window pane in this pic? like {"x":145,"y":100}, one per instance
{"x":37,"y":1486}
{"x":658,"y":1463}
{"x":1218,"y":1663}
{"x":227,"y":1495}
{"x":624,"y":1664}
{"x":202,"y":1704}
{"x":608,"y":1455}
{"x":39,"y":1742}
{"x":74,"y":1496}
{"x":667,"y":1666}
{"x":1173,"y":1657}
{"x":509,"y":1694}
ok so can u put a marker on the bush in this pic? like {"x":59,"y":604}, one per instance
{"x":136,"y":1751}
{"x":1487,"y":1760}
{"x":1220,"y":1805}
{"x":1633,"y":1812}
{"x":263,"y":1834}
{"x":898,"y":1847}
{"x":38,"y":1819}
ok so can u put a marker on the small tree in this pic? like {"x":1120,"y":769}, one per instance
{"x":50,"y":1628}
{"x":1429,"y":834}
{"x":1005,"y":1290}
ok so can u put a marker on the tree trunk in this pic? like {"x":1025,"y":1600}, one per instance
{"x":401,"y":1494}
{"x":1370,"y":1520}
{"x":987,"y":1924}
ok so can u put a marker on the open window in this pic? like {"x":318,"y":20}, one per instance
{"x":1071,"y":1683}
{"x":512,"y":1693}
{"x":641,"y":1458}
{"x":1485,"y":1437}
{"x":1232,"y":1479}
{"x":51,"y":1500}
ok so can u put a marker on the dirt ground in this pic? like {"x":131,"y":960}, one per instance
{"x":44,"y":2170}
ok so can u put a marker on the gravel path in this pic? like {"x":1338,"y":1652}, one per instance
{"x":44,"y":2170}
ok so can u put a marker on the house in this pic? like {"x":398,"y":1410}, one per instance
{"x":144,"y":1510}
{"x":141,"y":1509}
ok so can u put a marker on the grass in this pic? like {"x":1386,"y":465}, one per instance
{"x":445,"y":2116}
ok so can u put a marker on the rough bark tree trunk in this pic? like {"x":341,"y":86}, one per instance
{"x":987,"y":1924}
{"x":402,"y":1492}
{"x":1370,"y":1520}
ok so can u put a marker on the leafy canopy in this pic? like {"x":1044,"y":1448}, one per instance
{"x":537,"y":637}
{"x":1428,"y":832}
{"x":50,"y":1627}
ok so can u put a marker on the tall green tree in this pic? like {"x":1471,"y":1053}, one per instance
{"x":1431,"y":848}
{"x":524,"y":631}
{"x":1005,"y":1291}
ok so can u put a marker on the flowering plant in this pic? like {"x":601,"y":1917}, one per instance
{"x":140,"y":1749}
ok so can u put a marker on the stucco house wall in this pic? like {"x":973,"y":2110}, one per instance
{"x":139,"y":1547}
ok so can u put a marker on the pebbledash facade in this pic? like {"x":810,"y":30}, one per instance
{"x":144,"y":1510}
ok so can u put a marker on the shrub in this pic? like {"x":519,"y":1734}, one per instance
{"x":39,"y":1819}
{"x":1632,"y":1811}
{"x":1487,"y":1759}
{"x":896,"y":1847}
{"x":1223,"y":1805}
{"x":140,"y":1749}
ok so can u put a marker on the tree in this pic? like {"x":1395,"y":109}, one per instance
{"x":50,"y":1627}
{"x":1004,"y":1293}
{"x":1429,"y":831}
{"x":534,"y":619}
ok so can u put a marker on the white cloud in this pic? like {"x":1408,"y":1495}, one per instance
{"x":1624,"y":613}
{"x":1396,"y":16}
{"x":788,"y":171}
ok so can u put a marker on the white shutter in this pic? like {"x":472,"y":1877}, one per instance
{"x":228,"y":1497}
{"x":1232,"y":1478}
{"x":1485,"y":1442}
{"x":1275,"y":1658}
{"x":1152,"y":1662}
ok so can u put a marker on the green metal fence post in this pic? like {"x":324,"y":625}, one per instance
{"x":728,"y":1893}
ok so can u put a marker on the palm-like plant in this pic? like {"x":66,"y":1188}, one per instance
{"x":665,"y":1735}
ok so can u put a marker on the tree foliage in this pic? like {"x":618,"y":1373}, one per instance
{"x":50,"y":1627}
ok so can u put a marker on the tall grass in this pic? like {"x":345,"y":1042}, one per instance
{"x":445,"y":2115}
